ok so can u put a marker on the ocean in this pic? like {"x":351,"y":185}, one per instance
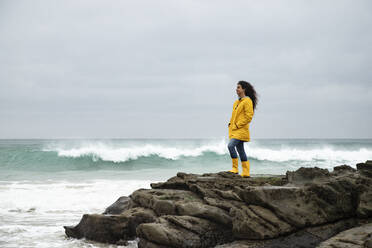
{"x":46,"y":184}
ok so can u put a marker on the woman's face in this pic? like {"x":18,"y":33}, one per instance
{"x":240,"y":90}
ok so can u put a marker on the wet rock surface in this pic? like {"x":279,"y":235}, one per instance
{"x":358,"y":237}
{"x":304,"y":208}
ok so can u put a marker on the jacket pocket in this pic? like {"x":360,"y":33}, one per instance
{"x":234,"y":127}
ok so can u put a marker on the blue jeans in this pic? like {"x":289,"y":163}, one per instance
{"x":239,"y":144}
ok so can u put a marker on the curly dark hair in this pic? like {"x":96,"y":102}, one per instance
{"x":249,"y":91}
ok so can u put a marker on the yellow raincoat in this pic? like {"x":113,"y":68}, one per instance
{"x":241,"y":116}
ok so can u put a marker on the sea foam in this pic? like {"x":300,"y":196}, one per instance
{"x":33,"y":213}
{"x":258,"y":151}
{"x":107,"y":152}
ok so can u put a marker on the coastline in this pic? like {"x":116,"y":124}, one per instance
{"x":307,"y":206}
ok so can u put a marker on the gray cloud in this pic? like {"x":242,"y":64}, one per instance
{"x":169,"y":69}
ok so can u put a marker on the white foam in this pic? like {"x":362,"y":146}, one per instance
{"x":108,"y":152}
{"x":125,"y":152}
{"x":63,"y":196}
{"x":33,"y":214}
{"x":326,"y":154}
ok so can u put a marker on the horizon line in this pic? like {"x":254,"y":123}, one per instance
{"x":121,"y":138}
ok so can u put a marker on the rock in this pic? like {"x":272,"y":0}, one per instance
{"x":305,"y":175}
{"x":343,"y":168}
{"x":368,"y":243}
{"x":119,"y":206}
{"x":172,"y":183}
{"x":111,"y":228}
{"x":167,"y":234}
{"x":365,"y":168}
{"x":306,"y":238}
{"x":324,"y":232}
{"x":255,"y":222}
{"x":314,"y":204}
{"x":147,"y":244}
{"x":358,"y":237}
{"x":163,"y":201}
{"x":183,"y":231}
{"x":101,"y":228}
{"x":364,"y":182}
{"x":244,"y":244}
{"x":206,"y":211}
{"x":301,"y":209}
{"x":364,"y":209}
{"x":137,"y":216}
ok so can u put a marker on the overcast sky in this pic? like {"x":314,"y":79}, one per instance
{"x":169,"y":69}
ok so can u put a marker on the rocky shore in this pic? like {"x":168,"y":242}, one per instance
{"x":309,"y":207}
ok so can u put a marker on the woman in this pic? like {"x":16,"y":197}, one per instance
{"x":242,"y":114}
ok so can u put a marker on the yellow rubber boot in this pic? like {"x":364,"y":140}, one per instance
{"x":245,"y":165}
{"x":234,"y":166}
